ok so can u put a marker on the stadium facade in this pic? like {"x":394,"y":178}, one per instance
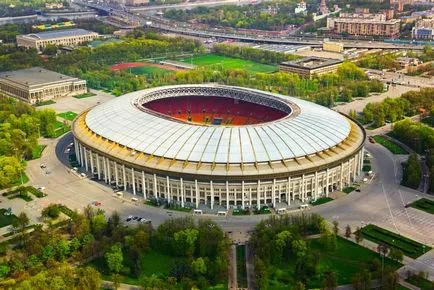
{"x":219,"y":145}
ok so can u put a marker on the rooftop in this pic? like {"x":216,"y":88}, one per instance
{"x":59,"y":33}
{"x":311,"y":62}
{"x":34,"y":76}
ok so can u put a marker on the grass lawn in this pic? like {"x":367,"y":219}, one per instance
{"x":391,"y":146}
{"x":152,"y":263}
{"x":348,"y":259}
{"x":44,"y":103}
{"x":178,"y":208}
{"x":420,"y":282}
{"x":321,"y":200}
{"x":6,"y":220}
{"x":241,"y":266}
{"x":68,"y":115}
{"x":86,"y":95}
{"x":349,"y":189}
{"x":37,"y":152}
{"x":366,"y":168}
{"x":149,"y":71}
{"x":240,"y":212}
{"x":424,"y":204}
{"x":409,"y":247}
{"x":230,"y":63}
{"x":60,"y":129}
{"x":263,"y":210}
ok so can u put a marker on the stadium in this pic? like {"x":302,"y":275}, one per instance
{"x":219,"y":146}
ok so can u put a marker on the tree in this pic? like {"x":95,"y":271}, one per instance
{"x":299,"y":248}
{"x":358,"y":235}
{"x":62,"y":249}
{"x":186,"y":240}
{"x":396,"y":254}
{"x":51,"y":211}
{"x":348,"y":231}
{"x":114,"y":259}
{"x":88,"y":279}
{"x":335,"y":227}
{"x":50,"y":49}
{"x":299,"y":286}
{"x":389,"y":280}
{"x":329,"y":281}
{"x":412,"y":172}
{"x":116,"y":279}
{"x":199,"y":266}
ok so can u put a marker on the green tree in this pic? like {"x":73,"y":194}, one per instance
{"x":348,"y":231}
{"x":186,"y":240}
{"x":358,"y":235}
{"x":114,"y":258}
{"x":335,"y":227}
{"x":396,"y":254}
{"x":299,"y":248}
{"x":88,"y":279}
{"x":199,"y":266}
{"x":329,"y":281}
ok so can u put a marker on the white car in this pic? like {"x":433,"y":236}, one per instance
{"x":83,"y":174}
{"x":41,"y":188}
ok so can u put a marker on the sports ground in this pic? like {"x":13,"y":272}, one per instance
{"x":229,"y":63}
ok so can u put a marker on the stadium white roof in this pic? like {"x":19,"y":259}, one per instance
{"x":313,"y":129}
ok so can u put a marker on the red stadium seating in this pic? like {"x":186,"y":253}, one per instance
{"x":204,"y":110}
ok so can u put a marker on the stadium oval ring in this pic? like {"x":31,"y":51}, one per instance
{"x":308,"y":153}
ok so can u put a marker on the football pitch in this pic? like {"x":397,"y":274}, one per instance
{"x":229,"y":62}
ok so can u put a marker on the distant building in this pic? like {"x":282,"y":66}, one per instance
{"x":64,"y":37}
{"x":136,"y":2}
{"x":423,"y":29}
{"x":309,"y":66}
{"x":405,"y":62}
{"x":54,"y":5}
{"x":333,"y":46}
{"x":364,"y":24}
{"x":36,"y":84}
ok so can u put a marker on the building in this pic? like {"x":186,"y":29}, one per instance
{"x":333,"y":46}
{"x":309,"y":66}
{"x":423,"y":29}
{"x":219,"y":146}
{"x":364,"y":24}
{"x":36,"y":84}
{"x":64,"y":37}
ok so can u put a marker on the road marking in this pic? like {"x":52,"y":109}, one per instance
{"x":390,"y":210}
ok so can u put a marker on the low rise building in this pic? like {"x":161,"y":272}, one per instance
{"x":64,"y":37}
{"x":423,"y":29}
{"x":309,"y":66}
{"x":333,"y":46}
{"x":36,"y":85}
{"x":364,"y":24}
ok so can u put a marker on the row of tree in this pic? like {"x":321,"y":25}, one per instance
{"x":253,"y":54}
{"x":412,"y":172}
{"x":200,"y":251}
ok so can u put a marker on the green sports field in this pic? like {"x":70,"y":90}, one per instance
{"x":229,"y":62}
{"x":149,"y":71}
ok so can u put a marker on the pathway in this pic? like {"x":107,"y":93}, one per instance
{"x":232,"y":269}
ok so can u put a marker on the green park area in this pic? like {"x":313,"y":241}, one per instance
{"x":149,"y":71}
{"x":151,"y":263}
{"x":346,"y":261}
{"x":68,"y":115}
{"x":37,"y":151}
{"x":60,"y":129}
{"x":321,"y":200}
{"x":420,"y":282}
{"x":391,"y":146}
{"x":6,"y":217}
{"x":230,"y":63}
{"x":379,"y":235}
{"x":424,"y":204}
{"x":241,"y":266}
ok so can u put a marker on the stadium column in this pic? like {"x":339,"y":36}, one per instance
{"x":273,"y":193}
{"x":342,"y":176}
{"x":85,"y":159}
{"x":288,"y":191}
{"x":92,"y":165}
{"x":327,"y":182}
{"x":227,"y":195}
{"x":143,"y":184}
{"x":124,"y":177}
{"x":212,"y":194}
{"x":348,"y":172}
{"x":196,"y":189}
{"x":81,"y":155}
{"x":133,"y":180}
{"x":168,"y":188}
{"x":156,"y":195}
{"x":250,"y":196}
{"x":316,"y":185}
{"x":77,"y":151}
{"x":182,"y":192}
{"x":109,"y":176}
{"x":301,"y":188}
{"x":355,"y":165}
{"x":258,"y":195}
{"x":98,"y":168}
{"x":362,"y":156}
{"x":116,"y":174}
{"x":242,"y":194}
{"x":104,"y":162}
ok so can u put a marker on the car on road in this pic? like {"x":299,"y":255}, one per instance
{"x":43,"y":165}
{"x":128,"y":219}
{"x":357,"y":190}
{"x":135,"y":218}
{"x":41,"y":188}
{"x":371,"y":140}
{"x":96,"y":203}
{"x":83,"y":174}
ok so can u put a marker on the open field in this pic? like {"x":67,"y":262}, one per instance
{"x":409,"y":247}
{"x":347,"y":260}
{"x":229,"y":62}
{"x":391,"y":146}
{"x":149,"y":71}
{"x":70,"y":116}
{"x":424,"y":204}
